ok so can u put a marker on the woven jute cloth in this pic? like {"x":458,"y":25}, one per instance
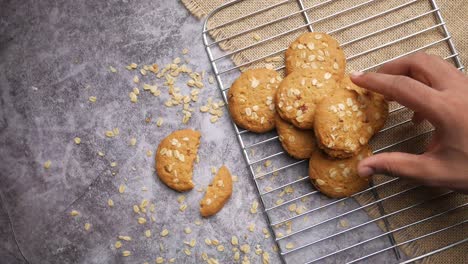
{"x":357,"y":44}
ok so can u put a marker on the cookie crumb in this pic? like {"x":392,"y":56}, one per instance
{"x":87,"y":226}
{"x":126,"y":253}
{"x":110,"y":203}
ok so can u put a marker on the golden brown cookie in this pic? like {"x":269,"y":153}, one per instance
{"x":338,"y":178}
{"x":300,"y":92}
{"x":251,"y":100}
{"x":174,"y":159}
{"x":296,"y":142}
{"x":377,"y":107}
{"x":217,"y":193}
{"x":315,"y":50}
{"x":345,"y":121}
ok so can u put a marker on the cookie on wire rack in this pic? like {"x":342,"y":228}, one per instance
{"x":300,"y":92}
{"x":315,"y":50}
{"x":251,"y":100}
{"x":338,"y":178}
{"x":346,"y":120}
{"x":296,"y":142}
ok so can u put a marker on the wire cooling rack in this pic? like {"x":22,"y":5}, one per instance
{"x":307,"y":226}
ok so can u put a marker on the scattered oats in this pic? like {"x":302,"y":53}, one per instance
{"x":113,"y":164}
{"x":183,"y":207}
{"x":74,"y":213}
{"x":275,"y":248}
{"x":265,"y":258}
{"x":181,"y":198}
{"x":198,"y":222}
{"x":110,"y":203}
{"x":213,"y":119}
{"x":292,"y":207}
{"x":254,"y":207}
{"x":112,"y":69}
{"x":141,"y":220}
{"x":215,"y":242}
{"x":236,"y":256}
{"x":208,"y":241}
{"x":125,"y":238}
{"x":87,"y":226}
{"x":204,"y":256}
{"x":220,"y":248}
{"x":258,"y":250}
{"x":136,"y":209}
{"x":289,"y":245}
{"x":148,"y":233}
{"x":172,"y":260}
{"x":153,"y":219}
{"x":235,"y":178}
{"x":256,"y":36}
{"x":126,"y":253}
{"x":159,"y":122}
{"x":133,"y":97}
{"x":77,"y":140}
{"x":344,"y":223}
{"x":149,"y":153}
{"x":187,"y":252}
{"x":118,"y":244}
{"x":143,"y":72}
{"x":245,"y":249}
{"x":234,"y":241}
{"x":136,"y":79}
{"x":279,"y":202}
{"x":164,"y":233}
{"x":187,"y":230}
{"x":267,"y":163}
{"x":121,"y":188}
{"x":251,"y":227}
{"x":159,"y":260}
{"x":92,"y":99}
{"x":211,"y":79}
{"x":110,"y":134}
{"x":47,"y":164}
{"x":101,"y":154}
{"x":185,"y":51}
{"x":133,"y":65}
{"x":133,"y":141}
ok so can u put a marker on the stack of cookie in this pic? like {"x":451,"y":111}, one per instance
{"x":317,"y":111}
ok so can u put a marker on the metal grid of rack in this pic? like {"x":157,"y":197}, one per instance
{"x":318,"y":230}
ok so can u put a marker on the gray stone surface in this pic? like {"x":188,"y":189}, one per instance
{"x":53,"y":56}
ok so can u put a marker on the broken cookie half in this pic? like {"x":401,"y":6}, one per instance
{"x":217,"y":193}
{"x":175,"y":157}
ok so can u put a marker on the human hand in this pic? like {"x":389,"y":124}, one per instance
{"x":435,"y":90}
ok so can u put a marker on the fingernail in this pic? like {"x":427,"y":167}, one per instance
{"x":365,"y":171}
{"x":356,"y":73}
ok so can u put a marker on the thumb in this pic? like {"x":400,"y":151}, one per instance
{"x":416,"y":167}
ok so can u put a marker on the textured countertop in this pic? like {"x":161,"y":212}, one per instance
{"x":54,"y":56}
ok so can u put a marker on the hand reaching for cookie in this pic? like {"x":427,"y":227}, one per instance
{"x":438,"y":92}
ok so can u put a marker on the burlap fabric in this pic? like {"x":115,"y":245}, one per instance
{"x":322,"y":16}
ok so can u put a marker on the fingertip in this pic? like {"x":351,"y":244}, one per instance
{"x":365,"y":171}
{"x":356,"y":74}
